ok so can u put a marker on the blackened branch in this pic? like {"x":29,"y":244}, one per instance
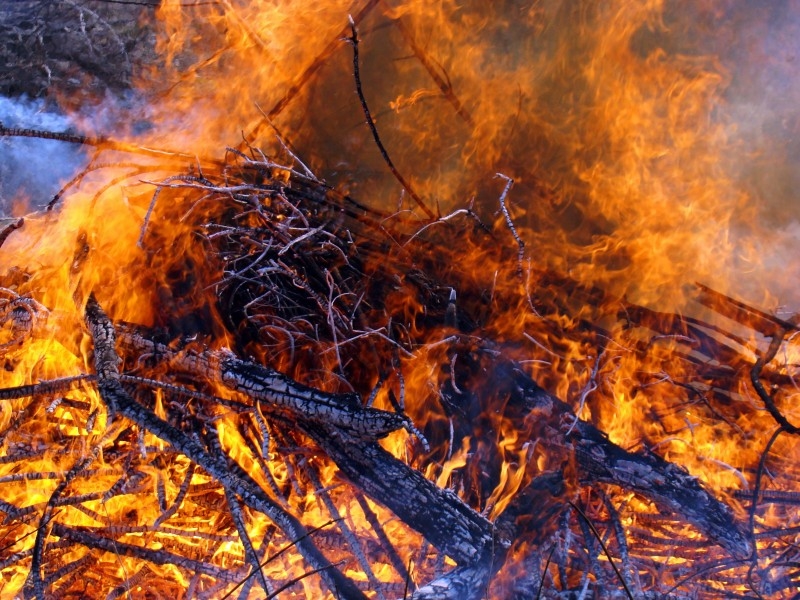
{"x":509,"y":222}
{"x":9,"y":229}
{"x":157,"y":557}
{"x":50,"y":387}
{"x":229,"y":475}
{"x":70,"y":138}
{"x":353,"y":39}
{"x":35,"y":586}
{"x":766,"y":397}
{"x":98,"y":142}
{"x":442,"y":80}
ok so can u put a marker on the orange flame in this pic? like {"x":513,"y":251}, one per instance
{"x":620,"y":132}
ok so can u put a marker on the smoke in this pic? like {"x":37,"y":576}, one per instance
{"x":762,"y":55}
{"x":32,"y":170}
{"x":761,"y":52}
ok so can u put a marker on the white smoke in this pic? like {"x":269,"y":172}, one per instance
{"x":32,"y":170}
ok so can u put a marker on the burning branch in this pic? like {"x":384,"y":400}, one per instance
{"x":353,"y":39}
{"x":232,"y":477}
{"x":243,"y":434}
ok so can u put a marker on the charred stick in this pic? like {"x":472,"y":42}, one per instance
{"x":68,"y":568}
{"x":249,"y":551}
{"x":766,"y":397}
{"x":298,"y":579}
{"x":45,"y":388}
{"x":275,"y":557}
{"x":31,"y":476}
{"x":275,"y":391}
{"x":598,"y":459}
{"x":22,"y":455}
{"x":161,"y":492}
{"x":309,"y":72}
{"x":35,"y":584}
{"x":14,"y":513}
{"x":16,"y":557}
{"x":158,"y":557}
{"x":134,"y":169}
{"x":442,"y":81}
{"x":120,"y":530}
{"x":439,"y":515}
{"x":510,"y":222}
{"x":235,"y":509}
{"x":351,"y":539}
{"x":273,"y":388}
{"x":263,"y":430}
{"x":385,"y":543}
{"x":50,"y":135}
{"x":622,"y":542}
{"x":229,"y":475}
{"x":770,"y":496}
{"x":564,"y":543}
{"x":181,"y":391}
{"x":130,"y":583}
{"x":190,"y":182}
{"x":99,"y":142}
{"x":9,"y":229}
{"x":248,"y":585}
{"x":354,"y":41}
{"x":262,"y":461}
{"x":176,"y":504}
{"x":288,"y":461}
{"x":123,"y":484}
{"x":757,"y":488}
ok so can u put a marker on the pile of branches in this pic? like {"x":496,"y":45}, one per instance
{"x":293,"y":313}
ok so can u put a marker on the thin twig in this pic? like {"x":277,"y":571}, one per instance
{"x":275,"y":556}
{"x":9,"y":229}
{"x":509,"y":222}
{"x":100,"y":142}
{"x":309,"y":72}
{"x":602,"y":545}
{"x":352,"y":541}
{"x":766,"y":397}
{"x":353,"y":39}
{"x":443,"y":81}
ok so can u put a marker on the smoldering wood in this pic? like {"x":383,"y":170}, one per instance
{"x":446,"y":521}
{"x":271,"y":389}
{"x":441,"y":517}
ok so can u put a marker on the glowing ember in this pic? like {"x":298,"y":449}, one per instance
{"x":306,"y":362}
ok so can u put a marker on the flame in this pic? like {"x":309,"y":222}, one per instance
{"x":622,"y":138}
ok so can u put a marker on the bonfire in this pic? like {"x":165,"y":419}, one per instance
{"x":501,"y":357}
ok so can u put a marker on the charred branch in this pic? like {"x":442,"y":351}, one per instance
{"x":354,"y":41}
{"x":118,"y":401}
